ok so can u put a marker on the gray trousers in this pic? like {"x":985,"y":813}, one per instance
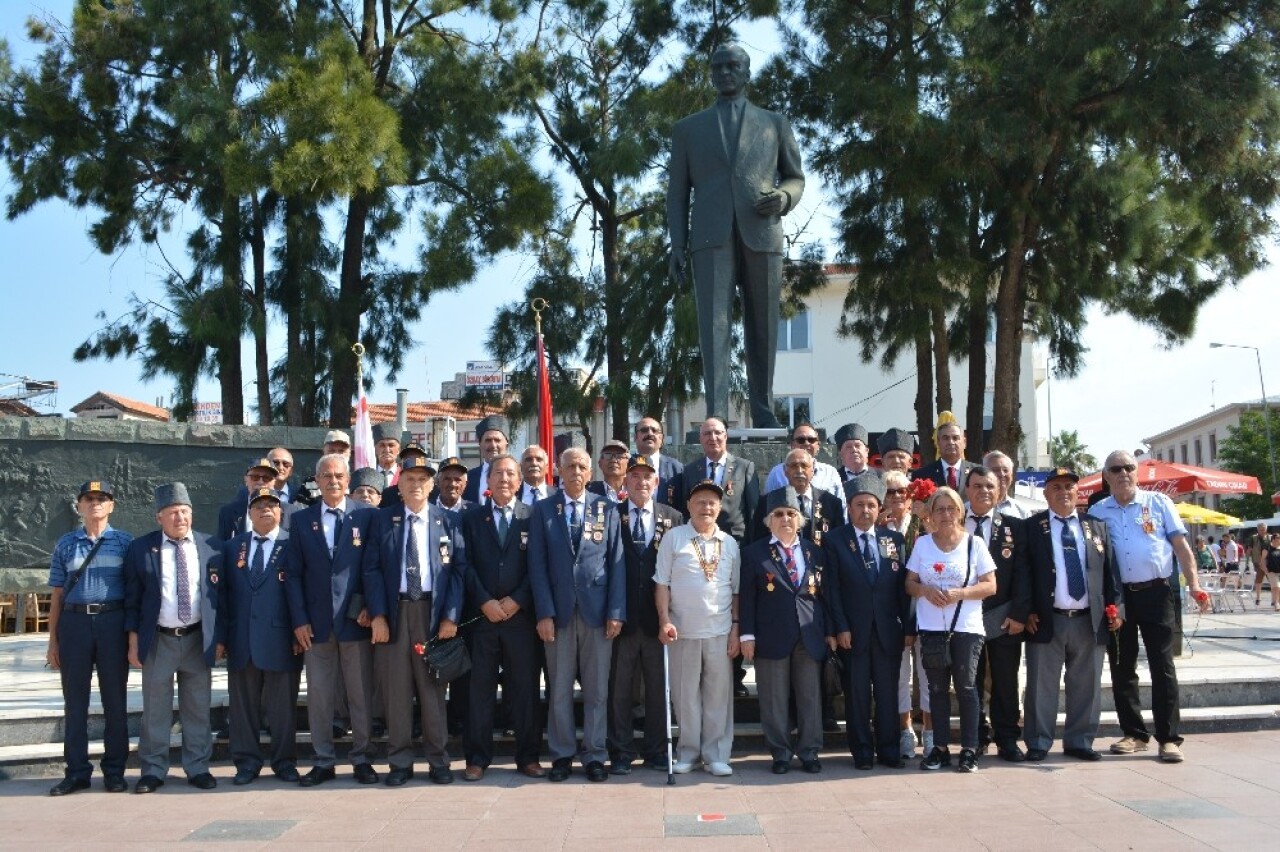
{"x":702,"y":693}
{"x":774,"y":682}
{"x":254,"y":696}
{"x":324,"y":660}
{"x":1074,"y":647}
{"x":403,"y":674}
{"x":580,"y":651}
{"x":717,"y":273}
{"x":180,"y":657}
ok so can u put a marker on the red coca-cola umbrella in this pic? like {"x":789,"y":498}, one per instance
{"x":1172,"y":478}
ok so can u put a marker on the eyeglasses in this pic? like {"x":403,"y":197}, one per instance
{"x":645,"y":429}
{"x":1122,"y":468}
{"x":805,"y":439}
{"x":282,"y":462}
{"x":612,"y":456}
{"x":894,"y":492}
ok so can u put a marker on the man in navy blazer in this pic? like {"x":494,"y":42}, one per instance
{"x":871,"y":611}
{"x":233,"y":518}
{"x":781,"y":603}
{"x":255,"y":636}
{"x":580,"y":598}
{"x":413,"y":573}
{"x":1068,"y":626}
{"x":324,"y":583}
{"x":637,"y":650}
{"x":951,"y":468}
{"x":493,"y":434}
{"x":499,"y":598}
{"x":170,"y":575}
{"x":533,"y":476}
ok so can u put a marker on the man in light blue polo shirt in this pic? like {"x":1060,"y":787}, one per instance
{"x":1146,"y":534}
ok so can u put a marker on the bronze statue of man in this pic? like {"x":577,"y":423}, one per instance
{"x":743,"y":166}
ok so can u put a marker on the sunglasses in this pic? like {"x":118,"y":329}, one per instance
{"x":281,"y":463}
{"x":805,"y":439}
{"x":646,"y":429}
{"x":894,"y":492}
{"x":1122,"y":468}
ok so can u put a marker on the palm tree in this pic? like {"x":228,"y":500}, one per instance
{"x":1066,"y":450}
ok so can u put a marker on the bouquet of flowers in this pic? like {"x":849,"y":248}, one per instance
{"x":920,"y":490}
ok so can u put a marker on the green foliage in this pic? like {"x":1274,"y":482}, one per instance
{"x":1246,"y":450}
{"x":1066,"y":450}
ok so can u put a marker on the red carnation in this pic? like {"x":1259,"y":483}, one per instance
{"x":488,"y":493}
{"x":1112,"y":612}
{"x":622,"y":494}
{"x":1201,"y":596}
{"x":939,"y":567}
{"x":921,"y":489}
{"x":420,"y":648}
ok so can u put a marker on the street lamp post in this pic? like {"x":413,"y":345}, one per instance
{"x":1266,"y":405}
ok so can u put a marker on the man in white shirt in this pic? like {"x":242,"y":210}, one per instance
{"x":805,"y":437}
{"x":533,"y":475}
{"x":1002,"y":466}
{"x":697,"y":599}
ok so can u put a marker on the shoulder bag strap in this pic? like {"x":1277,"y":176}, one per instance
{"x":967,"y":572}
{"x":88,"y":557}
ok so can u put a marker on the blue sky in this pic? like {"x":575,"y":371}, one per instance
{"x":55,"y":283}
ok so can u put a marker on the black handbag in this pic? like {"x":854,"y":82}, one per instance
{"x":447,"y":659}
{"x":935,"y":645}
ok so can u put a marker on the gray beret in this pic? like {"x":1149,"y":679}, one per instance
{"x":851,"y":432}
{"x":172,"y":494}
{"x":864,"y":483}
{"x":494,"y":423}
{"x":781,"y":498}
{"x":368,"y":476}
{"x":896,"y":439}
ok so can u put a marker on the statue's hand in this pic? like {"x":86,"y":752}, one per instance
{"x":675,"y":266}
{"x":770,"y":203}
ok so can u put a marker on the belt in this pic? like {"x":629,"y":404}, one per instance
{"x":93,"y":608}
{"x":426,"y":596}
{"x":1146,"y":584}
{"x":178,"y":631}
{"x":1071,"y":613}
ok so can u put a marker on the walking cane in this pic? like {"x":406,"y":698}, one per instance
{"x":666,"y":678}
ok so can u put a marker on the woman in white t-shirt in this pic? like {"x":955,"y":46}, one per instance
{"x":949,"y":573}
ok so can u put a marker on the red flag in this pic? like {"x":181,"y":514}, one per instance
{"x":545,"y":437}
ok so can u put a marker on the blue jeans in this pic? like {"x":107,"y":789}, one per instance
{"x":965,"y":648}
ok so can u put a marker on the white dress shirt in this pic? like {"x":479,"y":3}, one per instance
{"x":1061,"y":597}
{"x":418,"y":541}
{"x":169,"y":582}
{"x":330,"y":523}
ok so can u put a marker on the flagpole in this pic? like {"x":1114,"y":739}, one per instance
{"x":546,"y":439}
{"x":362,"y":451}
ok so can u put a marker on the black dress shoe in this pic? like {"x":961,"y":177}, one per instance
{"x":288,"y":774}
{"x":148,"y":784}
{"x":115,"y":784}
{"x":1035,"y":755}
{"x":620,"y":767}
{"x":69,"y":785}
{"x":781,"y":767}
{"x":893,"y":762}
{"x":317,"y":776}
{"x":441,"y":775}
{"x":340,"y":731}
{"x":364,"y":774}
{"x":863,"y":763}
{"x":245,"y":776}
{"x":812,"y":766}
{"x":740,"y":690}
{"x":596,"y":771}
{"x":399,"y":777}
{"x":1082,"y":754}
{"x":378,"y":729}
{"x":559,"y":772}
{"x":658,"y":763}
{"x":203,"y":781}
{"x":1012,"y":754}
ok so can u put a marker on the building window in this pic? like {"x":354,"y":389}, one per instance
{"x":1184,"y":452}
{"x":1159,"y":456}
{"x":793,"y":409}
{"x":1213,"y":448}
{"x":1199,"y":454}
{"x":793,"y":334}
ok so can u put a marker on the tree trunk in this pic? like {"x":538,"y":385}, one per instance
{"x":615,"y":355}
{"x":230,"y":375}
{"x":941,"y":357}
{"x":299,"y":371}
{"x":1006,"y":430}
{"x":262,"y":364}
{"x":346,"y":323}
{"x":924,"y":393}
{"x":974,"y":407}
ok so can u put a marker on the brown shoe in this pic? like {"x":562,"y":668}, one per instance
{"x":533,"y":770}
{"x":473,"y":773}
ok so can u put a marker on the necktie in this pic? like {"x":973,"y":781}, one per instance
{"x":1071,"y":556}
{"x":637,"y":528}
{"x":804,"y":506}
{"x":412,"y":562}
{"x":182,"y":582}
{"x":789,"y":558}
{"x":503,"y":525}
{"x":711,"y":467}
{"x":952,"y":481}
{"x":977,"y":526}
{"x":869,"y":556}
{"x":259,"y":564}
{"x":575,"y":525}
{"x":337,"y":525}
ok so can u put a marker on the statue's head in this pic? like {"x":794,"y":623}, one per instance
{"x":730,"y":69}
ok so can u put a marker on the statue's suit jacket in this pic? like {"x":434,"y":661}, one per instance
{"x":767,"y":158}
